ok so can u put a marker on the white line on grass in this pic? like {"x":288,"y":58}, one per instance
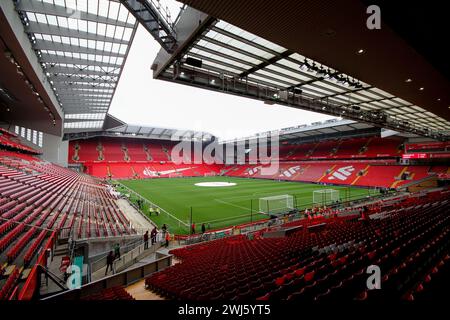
{"x":231,"y":204}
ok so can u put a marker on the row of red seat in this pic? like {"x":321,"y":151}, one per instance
{"x":311,"y":264}
{"x":111,"y":149}
{"x":358,"y":173}
{"x":11,"y":141}
{"x":128,"y":149}
{"x":37,"y":196}
{"x":114,"y":293}
{"x":349,"y":148}
{"x":9,"y":284}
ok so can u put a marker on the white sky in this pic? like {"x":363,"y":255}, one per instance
{"x":140,"y":99}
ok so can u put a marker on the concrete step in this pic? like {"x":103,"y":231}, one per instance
{"x":62,"y":250}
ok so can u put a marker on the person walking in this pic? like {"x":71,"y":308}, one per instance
{"x":146,"y":240}
{"x":153,"y":235}
{"x":117,"y":251}
{"x":109,"y":262}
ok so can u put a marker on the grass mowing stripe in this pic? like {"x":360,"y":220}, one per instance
{"x":223,"y":206}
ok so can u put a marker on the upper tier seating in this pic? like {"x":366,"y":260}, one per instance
{"x":327,"y":264}
{"x":11,"y":141}
{"x":86,"y":150}
{"x":136,"y":151}
{"x":119,"y":150}
{"x":112,"y":151}
{"x":342,"y":149}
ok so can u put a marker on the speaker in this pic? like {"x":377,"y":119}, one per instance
{"x":194,"y":62}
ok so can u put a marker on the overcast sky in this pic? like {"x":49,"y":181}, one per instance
{"x":139,"y":99}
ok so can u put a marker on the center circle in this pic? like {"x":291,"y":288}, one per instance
{"x":215,"y":184}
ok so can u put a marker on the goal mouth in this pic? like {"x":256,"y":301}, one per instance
{"x":325,"y":197}
{"x":215,"y":184}
{"x":276,"y":205}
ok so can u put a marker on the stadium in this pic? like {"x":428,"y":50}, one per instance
{"x":353,"y":207}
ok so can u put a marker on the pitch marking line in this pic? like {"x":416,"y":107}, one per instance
{"x":232,"y":204}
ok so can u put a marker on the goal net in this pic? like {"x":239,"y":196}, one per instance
{"x":325,"y":196}
{"x":276,"y":204}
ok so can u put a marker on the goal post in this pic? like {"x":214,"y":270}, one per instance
{"x":325,"y":196}
{"x":276,"y":204}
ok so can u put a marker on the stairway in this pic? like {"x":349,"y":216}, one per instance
{"x":126,"y":157}
{"x":100,"y":152}
{"x":147,"y":153}
{"x":76,"y":148}
{"x":164,"y":149}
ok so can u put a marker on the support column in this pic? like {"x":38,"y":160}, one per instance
{"x":55,"y":149}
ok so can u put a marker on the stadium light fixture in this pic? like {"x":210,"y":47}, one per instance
{"x":421,"y":88}
{"x":360,"y":51}
{"x":408,"y":80}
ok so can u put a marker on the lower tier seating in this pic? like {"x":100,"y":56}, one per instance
{"x":115,"y":293}
{"x":357,"y":173}
{"x":38,"y":198}
{"x":318,"y":264}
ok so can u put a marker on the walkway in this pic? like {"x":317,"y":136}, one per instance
{"x":135,"y":217}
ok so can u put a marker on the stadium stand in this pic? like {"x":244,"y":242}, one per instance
{"x":115,"y":293}
{"x":365,"y":162}
{"x":37,"y":201}
{"x":323,"y":265}
{"x":60,"y":64}
{"x":10,"y":141}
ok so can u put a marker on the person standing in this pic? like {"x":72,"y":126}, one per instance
{"x":109,"y":262}
{"x":117,"y":251}
{"x":167,"y":239}
{"x":146,"y":240}
{"x":193,"y":228}
{"x":153,"y":235}
{"x":203,"y":228}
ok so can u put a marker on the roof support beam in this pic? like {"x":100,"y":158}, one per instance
{"x":94,"y":113}
{"x":53,"y":58}
{"x":61,"y":11}
{"x":78,"y":71}
{"x":80,"y":87}
{"x":82,"y":120}
{"x":269,"y":62}
{"x":56,"y":46}
{"x":35,"y":27}
{"x":63,"y":78}
{"x":81,"y":100}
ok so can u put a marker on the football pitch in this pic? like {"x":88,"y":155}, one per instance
{"x":220,"y":207}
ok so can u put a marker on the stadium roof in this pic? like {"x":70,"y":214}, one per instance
{"x":161,"y":133}
{"x":116,"y":128}
{"x":82,"y":46}
{"x":328,"y":129}
{"x":218,"y":55}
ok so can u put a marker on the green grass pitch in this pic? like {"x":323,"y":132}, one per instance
{"x":220,"y":207}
